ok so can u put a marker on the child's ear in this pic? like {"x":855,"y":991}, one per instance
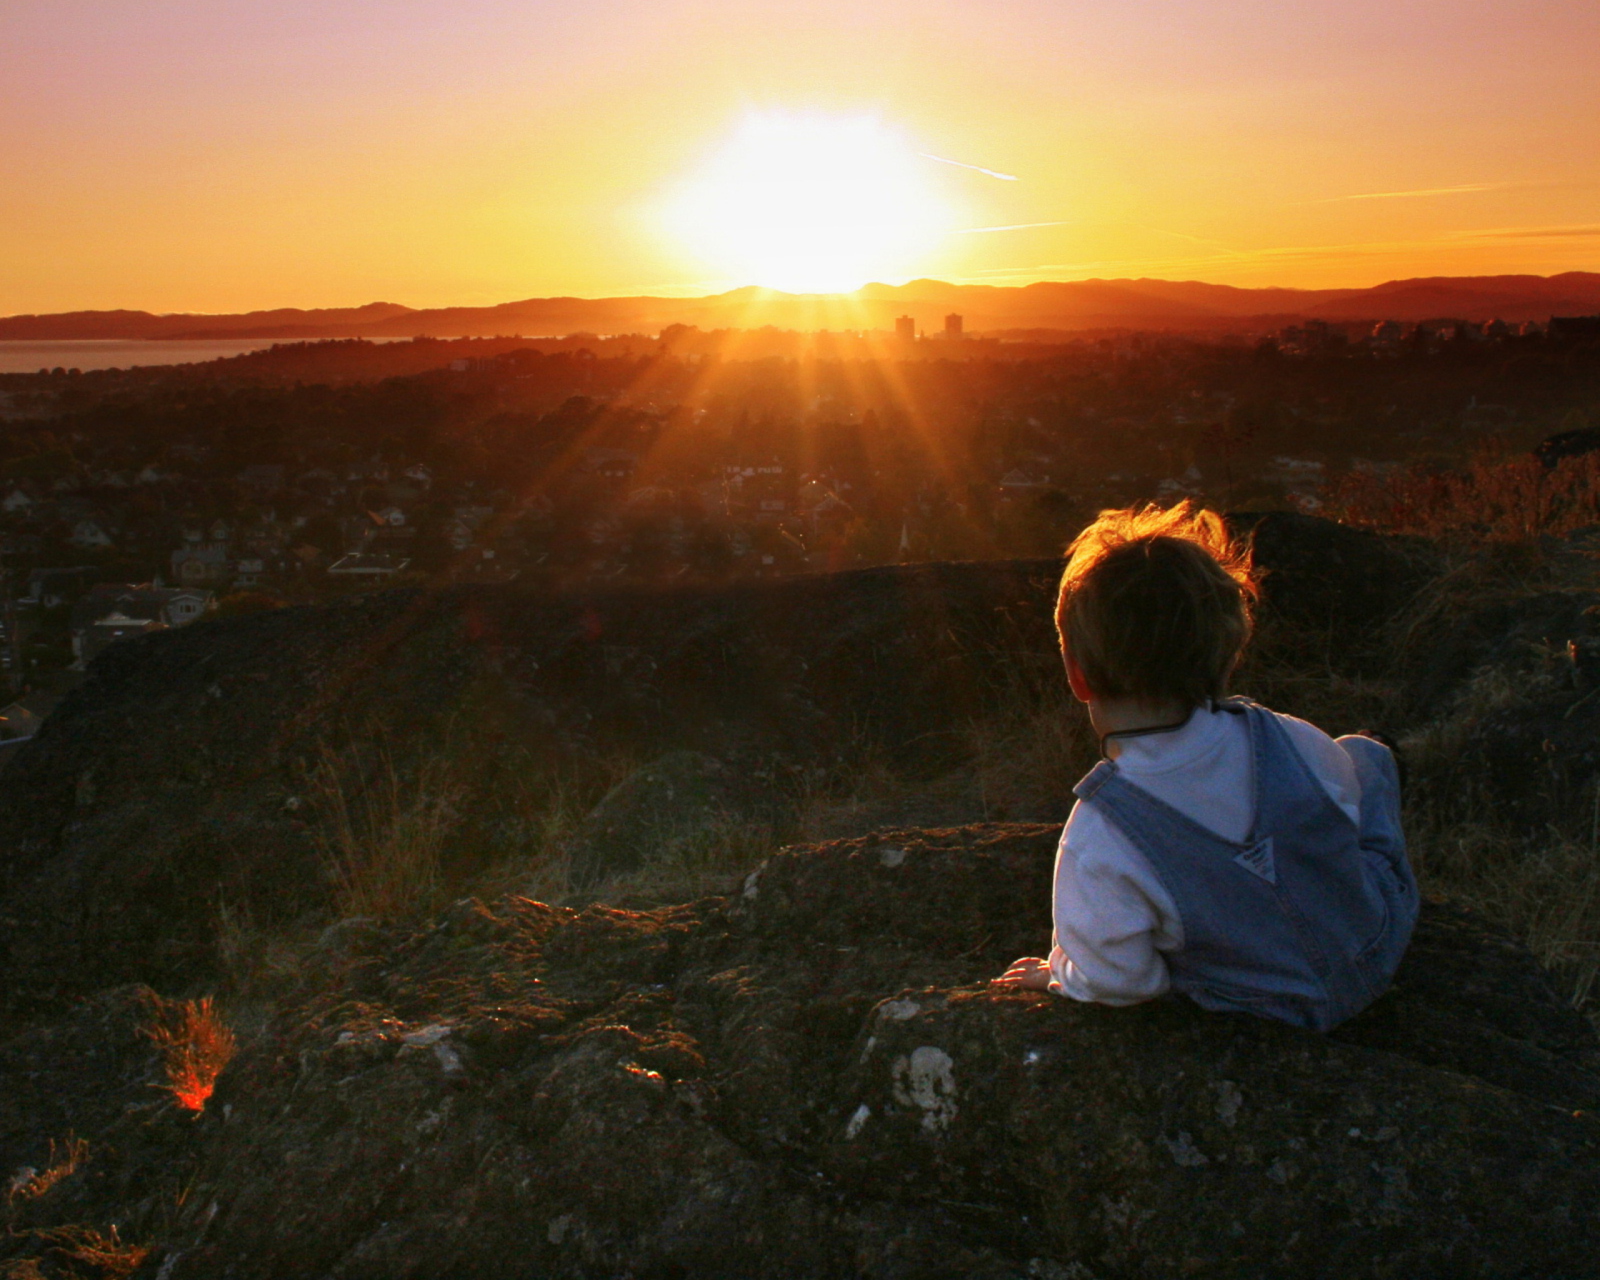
{"x":1080,"y":686}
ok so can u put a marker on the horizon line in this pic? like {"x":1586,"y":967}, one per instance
{"x":849,"y":295}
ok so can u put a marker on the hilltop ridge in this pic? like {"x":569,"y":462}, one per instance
{"x":1067,"y":305}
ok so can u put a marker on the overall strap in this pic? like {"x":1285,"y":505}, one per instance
{"x":1096,"y":778}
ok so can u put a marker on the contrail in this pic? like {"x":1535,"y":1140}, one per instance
{"x":1015,"y":226}
{"x":976,"y":168}
{"x":1427,"y":191}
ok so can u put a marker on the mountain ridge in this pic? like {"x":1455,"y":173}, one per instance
{"x":1079,"y":304}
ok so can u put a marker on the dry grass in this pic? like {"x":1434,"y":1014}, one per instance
{"x":729,"y":847}
{"x":1495,"y":498}
{"x":104,"y":1251}
{"x":383,"y":838}
{"x":256,"y":957}
{"x":1543,"y":886}
{"x":195,"y":1045}
{"x":65,"y":1161}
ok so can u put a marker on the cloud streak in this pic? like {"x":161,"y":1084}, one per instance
{"x":1466,"y":188}
{"x":1015,"y":226}
{"x":1541,"y":233}
{"x":976,"y":168}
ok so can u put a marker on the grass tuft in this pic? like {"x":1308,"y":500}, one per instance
{"x":65,"y":1161}
{"x":383,"y":838}
{"x":105,"y":1251}
{"x":195,"y":1045}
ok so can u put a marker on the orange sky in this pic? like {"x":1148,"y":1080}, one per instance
{"x":219,"y":155}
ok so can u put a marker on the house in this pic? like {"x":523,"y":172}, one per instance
{"x":831,"y":512}
{"x":374,"y":471}
{"x":263,"y":478}
{"x":21,"y":544}
{"x":368,"y":564}
{"x":615,"y":465}
{"x":160,"y":606}
{"x":108,"y":631}
{"x":90,"y":535}
{"x":386,"y":526}
{"x":24,"y":716}
{"x":199,"y":562}
{"x":1017,"y":482}
{"x":51,"y":588}
{"x":248,"y":572}
{"x":1388,"y":334}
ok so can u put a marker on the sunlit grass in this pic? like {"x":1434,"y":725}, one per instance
{"x":195,"y":1044}
{"x":1494,"y":498}
{"x":65,"y":1160}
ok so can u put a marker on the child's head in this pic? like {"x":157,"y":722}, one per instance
{"x":1155,"y":604}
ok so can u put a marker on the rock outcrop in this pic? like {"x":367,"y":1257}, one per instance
{"x":177,"y":777}
{"x":811,"y":1077}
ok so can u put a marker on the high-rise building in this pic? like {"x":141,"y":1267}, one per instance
{"x":952,"y":327}
{"x":905,"y":328}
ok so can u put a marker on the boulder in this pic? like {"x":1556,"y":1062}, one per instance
{"x":811,"y":1077}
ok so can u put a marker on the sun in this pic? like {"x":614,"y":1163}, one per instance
{"x":810,"y":204}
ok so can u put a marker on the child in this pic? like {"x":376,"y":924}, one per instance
{"x":1221,"y":850}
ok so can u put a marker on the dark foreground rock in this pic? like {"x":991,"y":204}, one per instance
{"x":183,"y":775}
{"x":810,"y":1077}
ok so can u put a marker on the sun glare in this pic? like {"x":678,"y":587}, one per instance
{"x":810,"y":204}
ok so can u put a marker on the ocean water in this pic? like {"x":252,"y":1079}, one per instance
{"x":29,"y":356}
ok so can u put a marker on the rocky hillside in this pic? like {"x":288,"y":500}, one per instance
{"x":803,"y":1073}
{"x":809,"y":1077}
{"x":185,"y":775}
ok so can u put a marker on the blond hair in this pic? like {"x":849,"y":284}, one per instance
{"x":1155,"y":604}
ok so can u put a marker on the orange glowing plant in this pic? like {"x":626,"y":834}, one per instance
{"x":195,"y":1045}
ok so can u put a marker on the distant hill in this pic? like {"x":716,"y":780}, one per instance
{"x":1078,"y":304}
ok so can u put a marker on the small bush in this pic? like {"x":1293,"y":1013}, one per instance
{"x":195,"y":1046}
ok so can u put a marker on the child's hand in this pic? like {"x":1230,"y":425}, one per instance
{"x":1030,"y":973}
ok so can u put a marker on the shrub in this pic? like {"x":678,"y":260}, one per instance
{"x":195,"y":1046}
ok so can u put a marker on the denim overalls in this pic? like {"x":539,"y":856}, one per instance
{"x":1306,"y":920}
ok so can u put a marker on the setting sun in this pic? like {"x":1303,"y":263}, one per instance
{"x":810,"y":204}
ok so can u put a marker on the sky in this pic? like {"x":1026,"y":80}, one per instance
{"x":223,"y":155}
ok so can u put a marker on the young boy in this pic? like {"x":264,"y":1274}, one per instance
{"x":1221,"y":850}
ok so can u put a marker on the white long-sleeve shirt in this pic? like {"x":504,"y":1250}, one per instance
{"x":1113,"y":917}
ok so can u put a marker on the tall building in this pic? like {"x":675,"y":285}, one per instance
{"x":905,"y":328}
{"x":952,"y":327}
